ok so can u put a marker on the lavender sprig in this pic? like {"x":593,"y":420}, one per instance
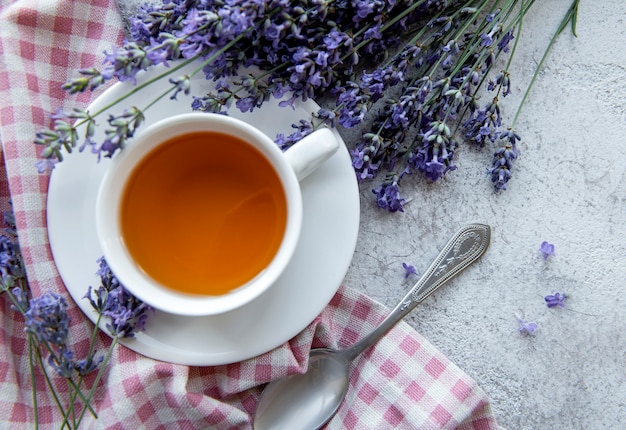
{"x":47,"y":327}
{"x":526,"y":327}
{"x":127,"y":315}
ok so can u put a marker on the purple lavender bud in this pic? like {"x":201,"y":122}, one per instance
{"x":388,"y":197}
{"x":47,"y":319}
{"x":501,"y":167}
{"x":408,"y":270}
{"x":127,"y":315}
{"x":526,"y":327}
{"x":556,"y":299}
{"x":547,"y":250}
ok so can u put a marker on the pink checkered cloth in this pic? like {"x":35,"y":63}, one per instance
{"x":404,"y":382}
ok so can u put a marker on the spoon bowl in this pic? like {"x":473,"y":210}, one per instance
{"x":327,"y":375}
{"x":309,"y":400}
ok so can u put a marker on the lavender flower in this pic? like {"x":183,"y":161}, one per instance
{"x":22,"y":302}
{"x":12,"y":272}
{"x":123,"y":127}
{"x":126,"y":61}
{"x":388,"y":197}
{"x":437,"y":151}
{"x":46,"y":164}
{"x":526,"y":327}
{"x":87,"y":365}
{"x":91,"y":78}
{"x":502,"y":162}
{"x":408,"y":270}
{"x":47,"y":319}
{"x":304,"y":128}
{"x":64,"y":136}
{"x":62,"y":362}
{"x":547,"y":250}
{"x":11,"y":264}
{"x":127,"y":315}
{"x":483,"y":125}
{"x":182,"y":84}
{"x":556,"y":299}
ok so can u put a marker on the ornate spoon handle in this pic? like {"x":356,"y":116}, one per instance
{"x":464,"y":248}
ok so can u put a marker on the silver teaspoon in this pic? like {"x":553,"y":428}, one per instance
{"x":309,"y":400}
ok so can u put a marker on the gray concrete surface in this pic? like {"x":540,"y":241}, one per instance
{"x":568,"y":189}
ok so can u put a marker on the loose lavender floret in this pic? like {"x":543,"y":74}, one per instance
{"x":408,"y":270}
{"x":547,"y":250}
{"x":526,"y":327}
{"x":556,"y":299}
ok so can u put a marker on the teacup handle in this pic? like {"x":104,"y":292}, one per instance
{"x":310,"y":152}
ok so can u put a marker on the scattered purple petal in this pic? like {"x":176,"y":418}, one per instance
{"x":556,"y":299}
{"x":547,"y":249}
{"x":526,"y":327}
{"x":408,"y":270}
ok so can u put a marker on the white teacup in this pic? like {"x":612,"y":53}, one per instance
{"x":201,"y":213}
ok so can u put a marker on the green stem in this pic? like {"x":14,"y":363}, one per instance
{"x":517,"y":20}
{"x":69,"y":380}
{"x":98,"y":376}
{"x":181,"y":65}
{"x":570,"y":16}
{"x":474,"y":41}
{"x":71,"y":410}
{"x":31,"y":365}
{"x":85,"y":400}
{"x":391,"y":22}
{"x":94,"y":333}
{"x":92,"y":340}
{"x":149,"y":82}
{"x":49,"y":383}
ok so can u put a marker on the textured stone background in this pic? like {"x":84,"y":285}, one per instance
{"x":569,"y":189}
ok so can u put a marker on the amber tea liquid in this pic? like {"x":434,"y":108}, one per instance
{"x":203,"y":213}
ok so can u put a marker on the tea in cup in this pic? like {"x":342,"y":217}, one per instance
{"x":201,"y":213}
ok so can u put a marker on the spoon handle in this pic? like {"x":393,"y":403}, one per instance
{"x":464,"y":248}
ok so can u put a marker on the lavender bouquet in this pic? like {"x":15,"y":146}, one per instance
{"x":409,"y":73}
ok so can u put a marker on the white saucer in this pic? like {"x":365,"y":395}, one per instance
{"x":329,"y":234}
